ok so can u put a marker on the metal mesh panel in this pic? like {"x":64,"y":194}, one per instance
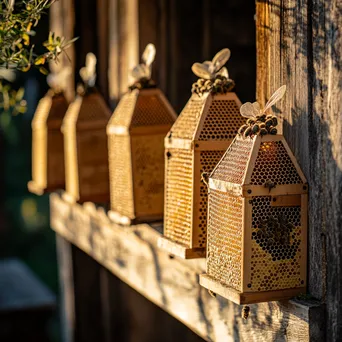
{"x":187,"y":122}
{"x":179,"y":193}
{"x":123,"y":113}
{"x":233,"y":165}
{"x":274,"y":164}
{"x":222,"y":122}
{"x":151,"y":110}
{"x":275,"y":262}
{"x":93,"y":108}
{"x":120,"y":175}
{"x":148,"y":174}
{"x":224,"y":251}
{"x":208,"y":160}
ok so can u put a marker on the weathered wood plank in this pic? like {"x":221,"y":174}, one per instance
{"x":131,"y":254}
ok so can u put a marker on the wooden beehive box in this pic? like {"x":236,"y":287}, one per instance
{"x":194,"y":145}
{"x":85,"y":144}
{"x":136,"y":134}
{"x":47,"y":140}
{"x":257,"y":222}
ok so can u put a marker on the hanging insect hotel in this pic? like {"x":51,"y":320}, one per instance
{"x":85,"y":141}
{"x":193,"y":147}
{"x":257,"y":216}
{"x":136,"y":134}
{"x":47,"y":140}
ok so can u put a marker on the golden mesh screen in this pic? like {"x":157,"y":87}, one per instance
{"x":187,"y":122}
{"x":233,"y":165}
{"x":93,"y":108}
{"x":208,"y":160}
{"x":224,"y":251}
{"x":123,"y":113}
{"x":275,"y":265}
{"x":222,"y":121}
{"x":151,"y":110}
{"x":120,"y":175}
{"x":179,"y":193}
{"x":274,"y":164}
{"x":148,"y":174}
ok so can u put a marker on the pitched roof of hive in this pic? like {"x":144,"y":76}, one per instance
{"x":93,"y":107}
{"x":58,"y":108}
{"x":186,"y":124}
{"x":209,"y":117}
{"x":254,"y":161}
{"x":139,"y":108}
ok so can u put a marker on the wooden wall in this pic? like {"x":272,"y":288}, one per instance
{"x":300,"y":44}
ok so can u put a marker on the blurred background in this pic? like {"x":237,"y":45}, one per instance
{"x":184,"y":32}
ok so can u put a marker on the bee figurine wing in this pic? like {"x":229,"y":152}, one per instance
{"x":201,"y":70}
{"x":88,"y":73}
{"x":256,"y":106}
{"x":223,"y":72}
{"x":220,"y":59}
{"x":247,"y":110}
{"x":140,"y":71}
{"x":277,"y":95}
{"x":59,"y":80}
{"x":149,"y":54}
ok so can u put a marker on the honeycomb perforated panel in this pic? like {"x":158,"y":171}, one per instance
{"x":123,"y":113}
{"x":148,"y":175}
{"x":276,"y":255}
{"x":208,"y":160}
{"x":93,"y":108}
{"x":151,"y":110}
{"x":224,"y":251}
{"x":179,"y":195}
{"x":233,"y":165}
{"x":274,"y":164}
{"x":222,"y":121}
{"x":120,"y":175}
{"x":187,"y":122}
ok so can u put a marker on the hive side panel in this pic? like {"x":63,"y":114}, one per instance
{"x":222,"y":121}
{"x":205,"y":162}
{"x":225,"y":232}
{"x":178,"y":195}
{"x":276,"y":252}
{"x":148,"y":175}
{"x":71,"y":162}
{"x":93,"y":165}
{"x":120,"y":175}
{"x":55,"y":162}
{"x":274,"y":164}
{"x":39,"y":142}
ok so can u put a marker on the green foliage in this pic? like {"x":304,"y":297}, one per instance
{"x":17,"y":21}
{"x":11,"y":101}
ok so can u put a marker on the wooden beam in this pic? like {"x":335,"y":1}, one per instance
{"x":131,"y":253}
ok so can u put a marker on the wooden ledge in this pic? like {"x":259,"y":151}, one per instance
{"x":179,"y":250}
{"x":246,"y":297}
{"x":131,"y":253}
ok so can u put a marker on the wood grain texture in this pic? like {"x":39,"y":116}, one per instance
{"x":299,"y":44}
{"x":131,"y":254}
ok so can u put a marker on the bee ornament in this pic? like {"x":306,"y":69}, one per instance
{"x":245,"y":312}
{"x":257,"y":215}
{"x":85,"y":141}
{"x":136,"y":134}
{"x":258,"y":121}
{"x":47,"y":140}
{"x":213,"y":76}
